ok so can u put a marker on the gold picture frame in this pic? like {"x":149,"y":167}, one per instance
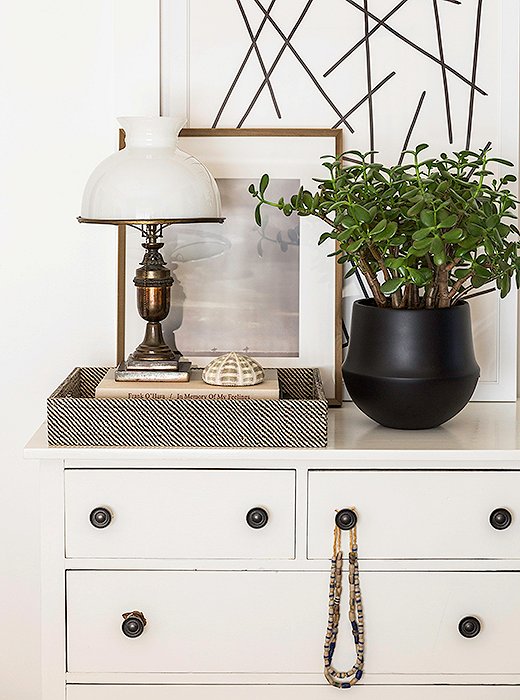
{"x":337,"y":136}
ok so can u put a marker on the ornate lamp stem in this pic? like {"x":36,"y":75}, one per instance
{"x":153,"y":282}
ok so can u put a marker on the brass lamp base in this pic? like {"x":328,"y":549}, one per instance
{"x":153,"y":360}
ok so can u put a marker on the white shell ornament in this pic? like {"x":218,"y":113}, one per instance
{"x":233,"y":369}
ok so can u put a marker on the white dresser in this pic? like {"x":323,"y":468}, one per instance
{"x":225,"y":555}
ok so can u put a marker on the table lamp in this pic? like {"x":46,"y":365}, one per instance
{"x":149,"y":185}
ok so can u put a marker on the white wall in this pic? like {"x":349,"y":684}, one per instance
{"x":57,"y":277}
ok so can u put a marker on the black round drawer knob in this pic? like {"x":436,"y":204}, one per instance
{"x":346,"y":519}
{"x":133,"y":624}
{"x":257,"y":518}
{"x":469,"y":627}
{"x":500,"y":518}
{"x":101,"y":517}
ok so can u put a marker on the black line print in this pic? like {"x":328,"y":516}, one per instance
{"x":242,"y":66}
{"x":362,"y":41}
{"x":364,"y":99}
{"x":300,"y":60}
{"x":474,"y":74}
{"x":412,"y":125}
{"x":443,"y":69}
{"x":277,"y":58}
{"x":369,"y":84}
{"x":259,"y":56}
{"x":416,"y":47}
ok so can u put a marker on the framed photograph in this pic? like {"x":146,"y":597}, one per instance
{"x":266,"y":290}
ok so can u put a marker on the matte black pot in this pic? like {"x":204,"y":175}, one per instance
{"x":410,"y":369}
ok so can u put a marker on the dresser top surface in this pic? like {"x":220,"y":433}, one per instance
{"x":480,"y":427}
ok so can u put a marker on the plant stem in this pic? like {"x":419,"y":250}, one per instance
{"x":459,"y":284}
{"x":442,"y":281}
{"x":373,"y":282}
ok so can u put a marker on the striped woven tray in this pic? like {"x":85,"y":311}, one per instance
{"x":76,"y":418}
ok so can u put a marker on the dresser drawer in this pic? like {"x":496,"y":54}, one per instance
{"x":284,"y":692}
{"x":274,"y":622}
{"x":179,"y":513}
{"x":417,"y":515}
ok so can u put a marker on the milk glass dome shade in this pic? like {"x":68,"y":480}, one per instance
{"x":151,"y":179}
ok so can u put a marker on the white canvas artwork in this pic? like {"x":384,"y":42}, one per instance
{"x":237,"y":283}
{"x":391,"y":73}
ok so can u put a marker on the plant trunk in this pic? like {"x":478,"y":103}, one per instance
{"x":442,"y":282}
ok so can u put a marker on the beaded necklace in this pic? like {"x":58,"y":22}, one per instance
{"x":344,"y":679}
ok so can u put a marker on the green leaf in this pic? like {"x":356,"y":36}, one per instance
{"x":482,"y":272}
{"x":492,"y":221}
{"x":478,"y":282}
{"x":421,"y":247}
{"x":395,"y":263}
{"x":307,"y":199}
{"x":448,"y":222}
{"x":420,"y":277}
{"x":397,"y":241}
{"x":391,"y":229}
{"x":443,"y":187}
{"x":258,"y":216}
{"x":355,"y":246}
{"x":417,"y":207}
{"x":378,"y":228}
{"x":501,"y":161}
{"x":454,"y":235}
{"x":251,"y":189}
{"x":420,"y":234}
{"x":287,"y":210}
{"x":427,"y":217}
{"x":264,"y":181}
{"x":438,"y":252}
{"x":351,"y":272}
{"x":324,"y":237}
{"x":488,"y":247}
{"x":505,"y":286}
{"x":361,"y":213}
{"x":391,"y":286}
{"x":476,"y":230}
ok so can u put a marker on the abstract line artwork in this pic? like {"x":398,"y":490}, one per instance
{"x":434,"y":46}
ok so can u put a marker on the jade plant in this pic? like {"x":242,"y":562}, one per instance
{"x":425,"y":234}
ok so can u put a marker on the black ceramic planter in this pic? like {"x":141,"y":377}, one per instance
{"x":410,"y":369}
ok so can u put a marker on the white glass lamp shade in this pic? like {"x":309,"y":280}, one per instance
{"x":151,"y":179}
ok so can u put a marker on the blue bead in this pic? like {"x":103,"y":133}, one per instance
{"x":359,"y":674}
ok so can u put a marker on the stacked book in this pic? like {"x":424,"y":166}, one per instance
{"x":195,"y":389}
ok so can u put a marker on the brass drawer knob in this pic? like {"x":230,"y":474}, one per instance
{"x":346,"y":519}
{"x":500,"y":518}
{"x":257,"y":518}
{"x":469,"y":627}
{"x":133,"y":624}
{"x":100,"y":517}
